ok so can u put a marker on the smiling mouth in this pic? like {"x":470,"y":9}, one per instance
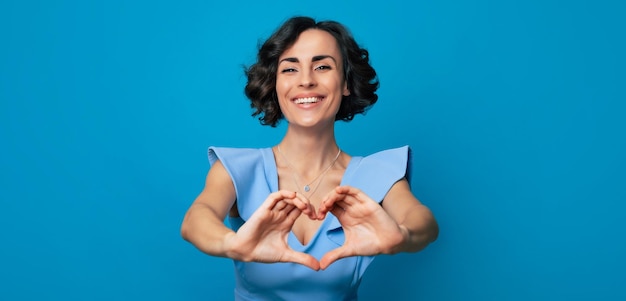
{"x":306,"y":100}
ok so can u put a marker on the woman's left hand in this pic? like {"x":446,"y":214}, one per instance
{"x":368,"y":229}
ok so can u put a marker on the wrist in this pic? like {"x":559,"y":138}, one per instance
{"x":403,"y":241}
{"x":227,"y":247}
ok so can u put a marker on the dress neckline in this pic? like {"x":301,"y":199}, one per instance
{"x":271,"y":174}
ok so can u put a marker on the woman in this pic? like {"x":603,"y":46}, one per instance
{"x":278,"y":199}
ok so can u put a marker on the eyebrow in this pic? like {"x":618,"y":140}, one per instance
{"x":315,"y":59}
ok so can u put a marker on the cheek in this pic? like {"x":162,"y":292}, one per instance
{"x":281,"y":87}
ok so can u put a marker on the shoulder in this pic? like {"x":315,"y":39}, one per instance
{"x":401,"y":154}
{"x":393,"y":161}
{"x":242,"y":164}
{"x":251,"y":171}
{"x":376,"y":173}
{"x":233,"y":153}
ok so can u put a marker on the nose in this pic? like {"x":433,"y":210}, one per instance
{"x":307,"y":79}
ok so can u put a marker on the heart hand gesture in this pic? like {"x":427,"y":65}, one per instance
{"x":263,"y":238}
{"x":368,"y":229}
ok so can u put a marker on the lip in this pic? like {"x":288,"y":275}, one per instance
{"x":308,"y":99}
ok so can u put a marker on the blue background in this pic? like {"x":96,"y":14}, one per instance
{"x":514,"y":110}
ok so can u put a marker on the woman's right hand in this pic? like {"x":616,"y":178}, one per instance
{"x":263,"y":237}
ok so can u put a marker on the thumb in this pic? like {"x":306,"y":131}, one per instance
{"x":333,"y":256}
{"x":301,"y":258}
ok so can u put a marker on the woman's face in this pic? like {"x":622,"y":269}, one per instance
{"x":309,"y":80}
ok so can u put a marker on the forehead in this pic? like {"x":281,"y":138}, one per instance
{"x":311,"y":43}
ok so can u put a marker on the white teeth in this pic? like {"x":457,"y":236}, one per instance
{"x":307,"y":100}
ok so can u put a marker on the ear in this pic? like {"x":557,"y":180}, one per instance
{"x":346,"y":92}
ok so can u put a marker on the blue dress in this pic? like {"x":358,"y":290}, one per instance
{"x":254,"y":175}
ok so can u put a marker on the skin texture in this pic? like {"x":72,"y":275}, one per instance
{"x":311,"y":69}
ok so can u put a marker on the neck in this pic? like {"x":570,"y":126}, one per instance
{"x":309,"y":152}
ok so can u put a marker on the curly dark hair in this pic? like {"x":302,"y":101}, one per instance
{"x":358,"y":73}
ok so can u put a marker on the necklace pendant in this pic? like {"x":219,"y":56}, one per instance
{"x":307,"y":188}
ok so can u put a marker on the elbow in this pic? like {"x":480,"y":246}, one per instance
{"x":419,"y":236}
{"x":434,"y":231}
{"x":185,"y":232}
{"x":428,"y":234}
{"x":431,"y":228}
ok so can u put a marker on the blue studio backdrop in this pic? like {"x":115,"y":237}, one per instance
{"x":514,"y":110}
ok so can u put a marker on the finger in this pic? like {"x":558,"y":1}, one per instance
{"x":342,"y":189}
{"x":301,"y":258}
{"x":280,"y":205}
{"x":275,"y":197}
{"x":333,"y":256}
{"x":338,"y":210}
{"x":329,"y":202}
{"x":288,"y":208}
{"x":337,"y":207}
{"x":353,"y":194}
{"x":293,"y":214}
{"x":283,"y":198}
{"x":305,"y":205}
{"x":285,"y":194}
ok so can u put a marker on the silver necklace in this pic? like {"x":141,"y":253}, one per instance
{"x":307,"y":187}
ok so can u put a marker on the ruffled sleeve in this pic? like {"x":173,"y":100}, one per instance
{"x":376,"y":173}
{"x":248,"y":173}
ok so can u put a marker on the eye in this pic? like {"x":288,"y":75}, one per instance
{"x":288,"y":70}
{"x":323,"y":67}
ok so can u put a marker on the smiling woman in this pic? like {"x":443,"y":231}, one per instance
{"x":309,"y":77}
{"x":279,"y":198}
{"x":358,"y":74}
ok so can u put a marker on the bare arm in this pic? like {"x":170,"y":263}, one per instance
{"x":262,"y":238}
{"x":416,"y":221}
{"x":401,"y":224}
{"x":203,"y":225}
